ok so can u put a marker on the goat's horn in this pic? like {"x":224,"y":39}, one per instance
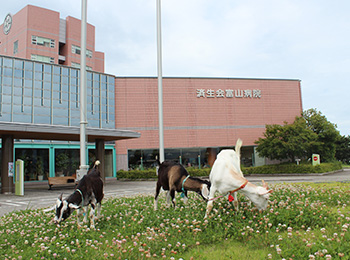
{"x":97,"y":163}
{"x":269,"y":191}
{"x":264,"y":184}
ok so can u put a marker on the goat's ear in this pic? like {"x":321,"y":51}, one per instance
{"x":49,"y":209}
{"x":205,"y":191}
{"x":60,"y":197}
{"x":73,"y":206}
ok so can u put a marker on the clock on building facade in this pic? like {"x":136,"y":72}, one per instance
{"x":7,"y":24}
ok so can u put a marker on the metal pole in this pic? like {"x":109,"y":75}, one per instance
{"x":160,"y":83}
{"x":83,"y":97}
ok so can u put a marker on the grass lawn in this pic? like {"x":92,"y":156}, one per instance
{"x":303,"y":221}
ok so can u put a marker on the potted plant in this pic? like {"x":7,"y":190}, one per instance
{"x":40,"y":169}
{"x":61,"y":164}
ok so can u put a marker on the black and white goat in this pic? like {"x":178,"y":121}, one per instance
{"x":88,"y":192}
{"x":174,"y":177}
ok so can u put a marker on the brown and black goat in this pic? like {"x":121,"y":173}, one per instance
{"x":174,"y":177}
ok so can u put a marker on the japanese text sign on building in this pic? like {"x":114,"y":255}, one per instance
{"x":228,"y":93}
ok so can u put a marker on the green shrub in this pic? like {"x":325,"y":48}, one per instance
{"x":293,"y":168}
{"x":195,"y":172}
{"x":137,"y":174}
{"x":151,"y":173}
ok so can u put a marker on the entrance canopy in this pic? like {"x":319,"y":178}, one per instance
{"x":62,"y":133}
{"x":9,"y":131}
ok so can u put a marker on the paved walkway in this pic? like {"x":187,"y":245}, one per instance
{"x":37,"y":195}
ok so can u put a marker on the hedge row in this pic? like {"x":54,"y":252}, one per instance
{"x":137,"y":174}
{"x":151,"y":173}
{"x":266,"y":169}
{"x":293,"y":168}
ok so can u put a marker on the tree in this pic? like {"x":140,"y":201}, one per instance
{"x":289,"y":141}
{"x":327,"y":134}
{"x":343,"y":149}
{"x":310,"y":133}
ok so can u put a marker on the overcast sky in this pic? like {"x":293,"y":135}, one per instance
{"x":285,"y":39}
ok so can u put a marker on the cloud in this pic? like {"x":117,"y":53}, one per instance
{"x":306,"y":40}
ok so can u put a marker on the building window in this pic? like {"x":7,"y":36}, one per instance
{"x":36,"y":163}
{"x":66,"y":162}
{"x":77,"y":65}
{"x":46,"y":93}
{"x":42,"y":41}
{"x":42,"y":58}
{"x":88,"y":53}
{"x":76,"y":50}
{"x":15,"y":47}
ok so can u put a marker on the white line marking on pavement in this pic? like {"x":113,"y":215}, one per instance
{"x":10,"y":204}
{"x":19,"y":202}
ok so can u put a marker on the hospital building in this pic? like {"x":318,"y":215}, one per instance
{"x":40,"y":109}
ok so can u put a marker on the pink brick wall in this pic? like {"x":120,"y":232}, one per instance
{"x":33,"y":20}
{"x":73,"y":36}
{"x":45,"y":23}
{"x":99,"y":61}
{"x":191,"y":121}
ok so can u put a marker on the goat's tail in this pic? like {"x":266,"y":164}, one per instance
{"x":97,"y":163}
{"x":238,"y":147}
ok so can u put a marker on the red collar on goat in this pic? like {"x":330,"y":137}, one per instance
{"x":230,"y":197}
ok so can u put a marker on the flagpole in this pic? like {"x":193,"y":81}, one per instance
{"x":160,"y":84}
{"x":83,"y":120}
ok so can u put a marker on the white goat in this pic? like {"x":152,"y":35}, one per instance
{"x":226,"y":177}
